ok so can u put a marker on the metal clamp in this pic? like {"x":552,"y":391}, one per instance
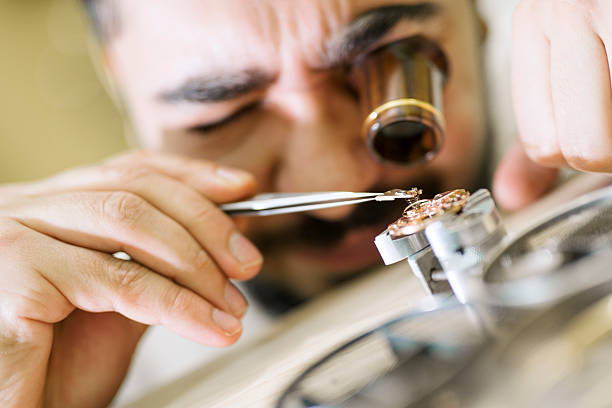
{"x":448,"y":252}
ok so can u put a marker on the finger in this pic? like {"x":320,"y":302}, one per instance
{"x":581,"y":90}
{"x":531,"y":89}
{"x":107,"y":340}
{"x":218,"y":183}
{"x":519,"y":181}
{"x":119,"y":221}
{"x":97,"y":282}
{"x":213,"y":229}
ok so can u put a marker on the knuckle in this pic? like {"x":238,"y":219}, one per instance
{"x":123,"y":207}
{"x":214,"y":219}
{"x":211,"y":279}
{"x":203,"y":262}
{"x":12,"y":234}
{"x":178,"y":300}
{"x":124,"y":283}
{"x":128,"y":278}
{"x":14,"y":330}
{"x":37,"y":301}
{"x":34,"y":303}
{"x":204,"y":214}
{"x":14,"y":306}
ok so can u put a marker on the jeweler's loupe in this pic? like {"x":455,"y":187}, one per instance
{"x":400,"y":87}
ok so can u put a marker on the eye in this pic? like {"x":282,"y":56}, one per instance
{"x":219,"y":124}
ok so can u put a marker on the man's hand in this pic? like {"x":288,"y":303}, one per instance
{"x":561,"y":86}
{"x":71,"y":314}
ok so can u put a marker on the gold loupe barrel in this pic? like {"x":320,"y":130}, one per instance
{"x":400,"y":88}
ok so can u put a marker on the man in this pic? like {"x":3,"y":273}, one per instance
{"x":229,"y":99}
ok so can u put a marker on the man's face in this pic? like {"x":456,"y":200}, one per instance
{"x":262,"y":85}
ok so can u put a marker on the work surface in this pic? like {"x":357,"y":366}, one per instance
{"x":257,"y":375}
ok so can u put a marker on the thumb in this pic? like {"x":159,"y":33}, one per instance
{"x":90,"y":357}
{"x":519,"y":181}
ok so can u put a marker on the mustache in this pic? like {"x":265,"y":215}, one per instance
{"x":318,"y":232}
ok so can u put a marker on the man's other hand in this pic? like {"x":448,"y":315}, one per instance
{"x":562,"y":93}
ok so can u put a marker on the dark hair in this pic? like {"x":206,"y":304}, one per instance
{"x":104,"y":18}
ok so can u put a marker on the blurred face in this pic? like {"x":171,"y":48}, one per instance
{"x":262,"y":85}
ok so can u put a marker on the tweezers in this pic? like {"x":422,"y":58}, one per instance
{"x":283,"y":203}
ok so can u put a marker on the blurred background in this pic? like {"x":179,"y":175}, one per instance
{"x":54,"y":113}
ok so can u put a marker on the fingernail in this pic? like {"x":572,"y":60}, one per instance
{"x":232,"y":176}
{"x":245,"y":252}
{"x":235,"y":300}
{"x":228,"y":323}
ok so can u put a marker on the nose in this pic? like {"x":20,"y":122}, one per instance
{"x":324,"y":150}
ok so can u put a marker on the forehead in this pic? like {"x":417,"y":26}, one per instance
{"x":200,"y":28}
{"x":164,"y":42}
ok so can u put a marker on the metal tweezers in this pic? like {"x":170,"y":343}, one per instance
{"x":283,"y":203}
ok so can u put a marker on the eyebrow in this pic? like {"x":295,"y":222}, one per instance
{"x":360,"y":35}
{"x":218,"y":88}
{"x":372,"y":25}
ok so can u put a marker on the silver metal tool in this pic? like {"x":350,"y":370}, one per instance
{"x":394,"y":365}
{"x":453,"y":241}
{"x":537,"y":306}
{"x":283,"y":203}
